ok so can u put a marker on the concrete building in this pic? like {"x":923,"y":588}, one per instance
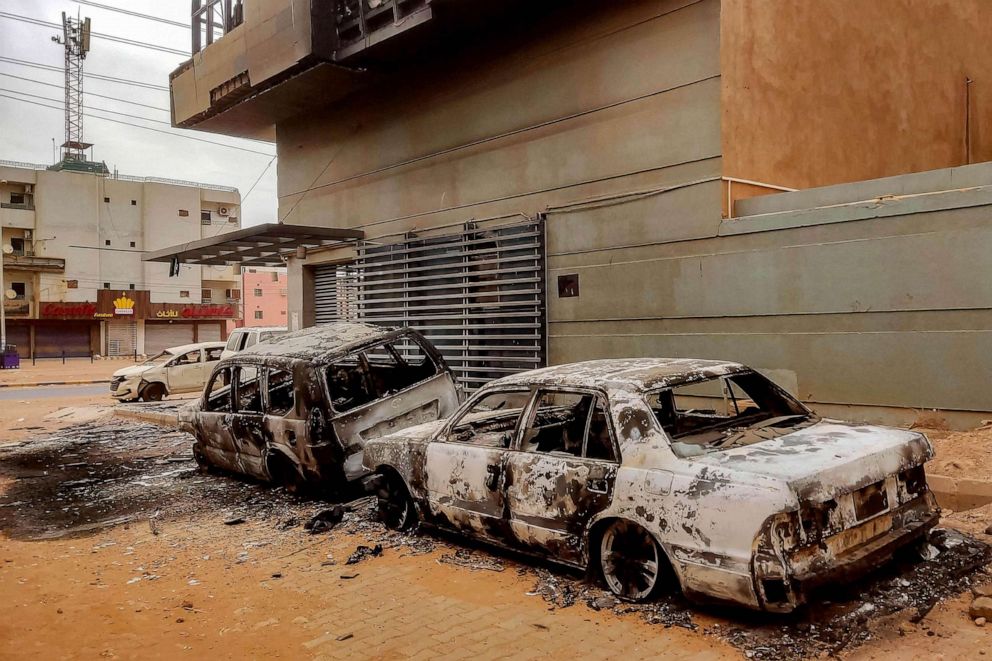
{"x":266,"y":292}
{"x":73,"y":243}
{"x":537,"y":185}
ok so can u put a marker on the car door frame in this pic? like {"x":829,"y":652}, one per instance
{"x":529,"y":518}
{"x":286,"y":433}
{"x":448,"y":460}
{"x":247,"y":427}
{"x":214,"y":427}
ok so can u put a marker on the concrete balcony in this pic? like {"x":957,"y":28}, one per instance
{"x":32,"y":263}
{"x":258,"y":62}
{"x":17,"y":216}
{"x":18,"y":307}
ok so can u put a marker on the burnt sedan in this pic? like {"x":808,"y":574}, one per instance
{"x":299,"y":408}
{"x":688,"y":474}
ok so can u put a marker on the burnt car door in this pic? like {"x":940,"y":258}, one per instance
{"x":213,"y":421}
{"x":465,"y":465}
{"x":283,"y":420}
{"x":562,"y":473}
{"x":385,"y":388}
{"x":247,"y":423}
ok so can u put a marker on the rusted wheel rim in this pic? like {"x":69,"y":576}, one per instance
{"x":629,"y":558}
{"x":394,"y":504}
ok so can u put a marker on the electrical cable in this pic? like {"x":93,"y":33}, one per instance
{"x":138,"y":126}
{"x":86,"y":92}
{"x":99,"y":35}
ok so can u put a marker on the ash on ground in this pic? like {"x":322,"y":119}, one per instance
{"x":97,"y":475}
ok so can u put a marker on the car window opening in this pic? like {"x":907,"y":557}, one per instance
{"x":492,"y":420}
{"x":569,"y":424}
{"x":725,"y":412}
{"x":219,"y":392}
{"x":248,"y":392}
{"x":282,"y":396}
{"x":377,"y":372}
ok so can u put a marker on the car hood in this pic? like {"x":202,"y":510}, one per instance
{"x":133,"y":370}
{"x":417,"y":434}
{"x":828,"y":458}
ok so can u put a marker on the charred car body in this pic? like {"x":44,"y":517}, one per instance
{"x":694,"y":474}
{"x":299,"y":408}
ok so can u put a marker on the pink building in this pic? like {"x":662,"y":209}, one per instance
{"x":264,"y":296}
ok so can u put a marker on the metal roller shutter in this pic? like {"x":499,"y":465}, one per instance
{"x":72,"y":337}
{"x":208,"y":332}
{"x":159,"y":337}
{"x":122,"y":338}
{"x":478,"y":294}
{"x":19,"y":335}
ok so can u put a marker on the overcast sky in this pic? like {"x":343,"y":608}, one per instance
{"x":26,"y":130}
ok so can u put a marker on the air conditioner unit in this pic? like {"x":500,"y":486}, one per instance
{"x":27,"y":235}
{"x":28,"y":189}
{"x":223,"y":211}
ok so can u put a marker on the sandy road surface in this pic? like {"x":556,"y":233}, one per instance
{"x":114,"y":545}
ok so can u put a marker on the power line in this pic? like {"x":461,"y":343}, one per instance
{"x":138,"y":126}
{"x":134,"y":13}
{"x":113,"y":112}
{"x":102,"y":96}
{"x":96,"y":76}
{"x":99,"y":35}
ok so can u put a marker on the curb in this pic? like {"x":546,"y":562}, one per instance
{"x":170,"y":420}
{"x":960,"y":493}
{"x":52,"y":383}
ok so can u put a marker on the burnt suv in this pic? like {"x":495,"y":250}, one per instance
{"x":298,"y":409}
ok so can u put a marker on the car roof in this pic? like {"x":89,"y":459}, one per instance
{"x":264,"y":329}
{"x":185,"y":348}
{"x":631,"y":374}
{"x":320,"y":343}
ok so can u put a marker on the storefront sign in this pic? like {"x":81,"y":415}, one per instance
{"x":124,"y":305}
{"x":68,"y":310}
{"x":135,"y":304}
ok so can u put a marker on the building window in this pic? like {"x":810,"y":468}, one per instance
{"x":184,"y":293}
{"x":131,"y":286}
{"x":106,"y":285}
{"x":107,"y":242}
{"x":106,"y":200}
{"x":132,"y":244}
{"x":20,"y":291}
{"x":18,"y":246}
{"x":205,"y":216}
{"x":17,"y":198}
{"x":258,"y":314}
{"x":275,"y":276}
{"x":233,"y":294}
{"x":258,"y":292}
{"x":183,"y":213}
{"x":134,"y":203}
{"x":282,"y":312}
{"x":252,"y":271}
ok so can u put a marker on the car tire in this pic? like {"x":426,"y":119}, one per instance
{"x":396,"y":508}
{"x":153,"y":392}
{"x":631,"y":561}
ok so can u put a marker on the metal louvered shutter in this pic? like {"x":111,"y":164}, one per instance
{"x":478,"y":295}
{"x":162,"y":336}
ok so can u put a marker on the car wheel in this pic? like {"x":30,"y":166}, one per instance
{"x":396,"y":508}
{"x":630,"y":560}
{"x":153,"y":392}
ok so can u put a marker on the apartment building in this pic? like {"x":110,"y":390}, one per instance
{"x":266,"y":293}
{"x":537,"y":183}
{"x":72,"y":244}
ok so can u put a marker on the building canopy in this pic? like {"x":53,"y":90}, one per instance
{"x":261,"y":245}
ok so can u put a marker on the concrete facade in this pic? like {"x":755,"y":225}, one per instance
{"x":72,"y":235}
{"x":266,"y":293}
{"x":615,"y":126}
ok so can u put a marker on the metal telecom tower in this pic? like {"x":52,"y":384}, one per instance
{"x":76,"y":41}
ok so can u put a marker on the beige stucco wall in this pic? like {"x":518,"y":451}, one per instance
{"x":73,"y":220}
{"x":816,"y":93}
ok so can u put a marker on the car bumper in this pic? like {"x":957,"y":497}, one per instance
{"x":847,"y":555}
{"x":124,"y":390}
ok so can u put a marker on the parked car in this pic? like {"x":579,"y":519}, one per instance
{"x":242,"y":338}
{"x":662,"y":473}
{"x":176,"y":370}
{"x":299,"y":408}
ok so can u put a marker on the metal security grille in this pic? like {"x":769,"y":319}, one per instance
{"x":478,"y":295}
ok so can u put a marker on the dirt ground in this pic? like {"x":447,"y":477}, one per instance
{"x":114,"y":545}
{"x":962,"y":453}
